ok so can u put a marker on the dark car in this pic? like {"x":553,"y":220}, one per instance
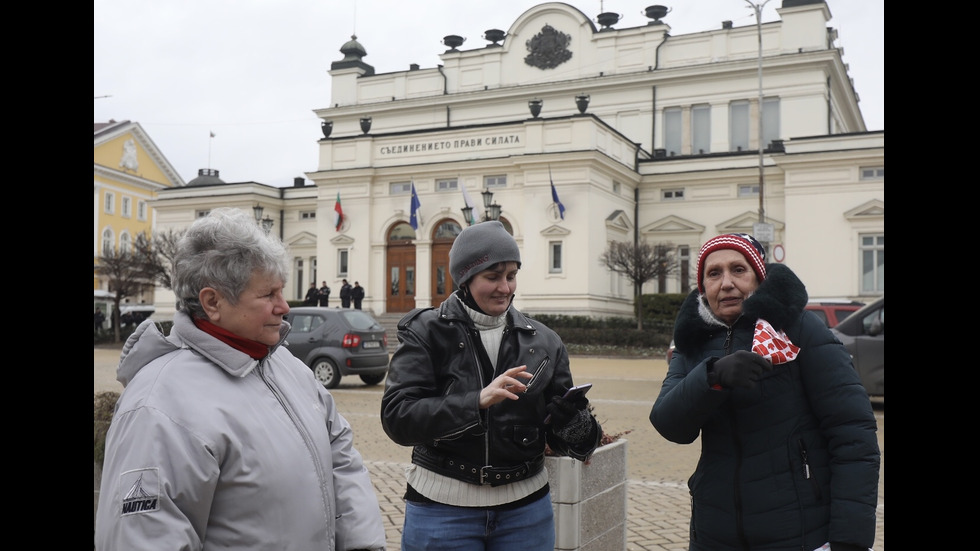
{"x":863,"y":334}
{"x":833,"y":312}
{"x":335,"y":342}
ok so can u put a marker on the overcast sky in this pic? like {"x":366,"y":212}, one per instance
{"x":253,"y":71}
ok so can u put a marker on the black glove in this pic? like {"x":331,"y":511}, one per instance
{"x":837,"y":546}
{"x":742,"y":368}
{"x":562,"y":411}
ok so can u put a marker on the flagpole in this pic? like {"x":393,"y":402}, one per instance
{"x":210,"y":140}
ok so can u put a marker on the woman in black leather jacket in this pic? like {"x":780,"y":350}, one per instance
{"x":469,"y":388}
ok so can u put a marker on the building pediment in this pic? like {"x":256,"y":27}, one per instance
{"x":618,"y":221}
{"x":302,"y":239}
{"x":745,"y":222}
{"x":555,"y":230}
{"x":342,"y":240}
{"x":874,"y":208}
{"x":125,"y":150}
{"x":673,"y":225}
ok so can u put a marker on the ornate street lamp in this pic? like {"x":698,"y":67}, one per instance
{"x":491,"y":208}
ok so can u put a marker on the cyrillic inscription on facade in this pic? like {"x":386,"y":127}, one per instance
{"x":482,"y":142}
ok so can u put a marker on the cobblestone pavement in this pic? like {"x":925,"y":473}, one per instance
{"x":658,"y":505}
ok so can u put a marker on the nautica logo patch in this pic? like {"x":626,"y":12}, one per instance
{"x":143,"y":495}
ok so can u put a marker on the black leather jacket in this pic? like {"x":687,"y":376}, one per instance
{"x":432,"y":391}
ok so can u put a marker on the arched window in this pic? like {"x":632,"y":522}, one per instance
{"x":125,"y":243}
{"x":106,"y":241}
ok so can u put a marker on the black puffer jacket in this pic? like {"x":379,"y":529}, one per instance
{"x":432,"y":391}
{"x":789,"y":464}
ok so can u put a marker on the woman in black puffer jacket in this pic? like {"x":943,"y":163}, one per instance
{"x":789,"y":456}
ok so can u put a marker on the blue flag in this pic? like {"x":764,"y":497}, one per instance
{"x":414,"y":220}
{"x":554,"y":197}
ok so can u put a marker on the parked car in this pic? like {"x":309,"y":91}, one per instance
{"x":335,"y":342}
{"x":833,"y":312}
{"x":863,"y":334}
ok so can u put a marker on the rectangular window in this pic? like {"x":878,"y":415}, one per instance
{"x":110,"y":203}
{"x":554,"y":257}
{"x":770,"y":121}
{"x":307,"y":215}
{"x":701,"y":129}
{"x":662,"y":258}
{"x":872,"y":264}
{"x":872,"y":173}
{"x":494,"y":181}
{"x":201,"y":213}
{"x":300,"y":291}
{"x":738,"y":126}
{"x":672,"y":194}
{"x":617,"y":187}
{"x":342,"y":263}
{"x":451,"y":184}
{"x":141,"y":210}
{"x":748,"y":190}
{"x":684,"y":264}
{"x":400,"y":188}
{"x":127,"y":207}
{"x":672,"y":131}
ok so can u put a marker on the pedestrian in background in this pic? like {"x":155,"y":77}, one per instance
{"x":311,"y":295}
{"x":357,"y":295}
{"x":469,"y":387}
{"x":345,"y":290}
{"x":324,"y":294}
{"x":98,"y":318}
{"x":222,"y":439}
{"x":789,"y":455}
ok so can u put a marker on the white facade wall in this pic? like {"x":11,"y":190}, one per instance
{"x":469,"y":118}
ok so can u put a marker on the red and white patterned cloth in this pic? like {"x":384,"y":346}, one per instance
{"x":773,"y":345}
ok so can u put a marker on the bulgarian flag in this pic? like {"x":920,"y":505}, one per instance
{"x":338,"y":213}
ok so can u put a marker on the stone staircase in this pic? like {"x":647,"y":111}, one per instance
{"x":390,"y":322}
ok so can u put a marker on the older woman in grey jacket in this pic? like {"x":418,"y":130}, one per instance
{"x":222,"y":439}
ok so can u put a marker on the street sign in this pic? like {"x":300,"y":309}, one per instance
{"x":763,"y":232}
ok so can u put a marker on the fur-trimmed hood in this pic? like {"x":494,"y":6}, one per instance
{"x":779,"y":299}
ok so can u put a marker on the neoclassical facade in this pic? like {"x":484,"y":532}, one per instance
{"x":641,"y":135}
{"x":129,"y":170}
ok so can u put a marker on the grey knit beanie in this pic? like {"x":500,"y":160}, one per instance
{"x":480,"y":246}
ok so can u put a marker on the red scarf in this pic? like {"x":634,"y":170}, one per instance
{"x":254,"y":349}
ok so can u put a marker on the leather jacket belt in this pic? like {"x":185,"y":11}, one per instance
{"x":467,"y":471}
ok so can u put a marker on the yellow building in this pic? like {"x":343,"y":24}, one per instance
{"x":129,"y":171}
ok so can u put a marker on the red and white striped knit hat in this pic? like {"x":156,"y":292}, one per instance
{"x":744,"y":243}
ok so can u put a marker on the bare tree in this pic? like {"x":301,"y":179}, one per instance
{"x":640,"y":263}
{"x":161,"y":253}
{"x":127,"y":272}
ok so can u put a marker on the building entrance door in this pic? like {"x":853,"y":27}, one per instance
{"x":400,"y":270}
{"x":442,"y":282}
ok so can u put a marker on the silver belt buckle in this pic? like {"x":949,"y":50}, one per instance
{"x":484,"y":475}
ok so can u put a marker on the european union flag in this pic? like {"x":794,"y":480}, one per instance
{"x":554,"y":197}
{"x":414,"y":220}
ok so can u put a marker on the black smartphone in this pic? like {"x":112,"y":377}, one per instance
{"x":574,"y":392}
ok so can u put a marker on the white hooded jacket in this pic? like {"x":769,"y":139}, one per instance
{"x":211,"y":449}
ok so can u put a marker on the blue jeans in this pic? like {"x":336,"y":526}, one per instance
{"x":437,"y":527}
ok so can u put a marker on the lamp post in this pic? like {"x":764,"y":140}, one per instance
{"x":491,"y":208}
{"x":265,"y":223}
{"x":762,"y":231}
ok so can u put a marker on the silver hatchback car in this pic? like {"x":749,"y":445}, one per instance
{"x":335,"y":342}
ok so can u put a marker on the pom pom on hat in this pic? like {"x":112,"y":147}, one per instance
{"x":480,"y":246}
{"x":743,"y":243}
